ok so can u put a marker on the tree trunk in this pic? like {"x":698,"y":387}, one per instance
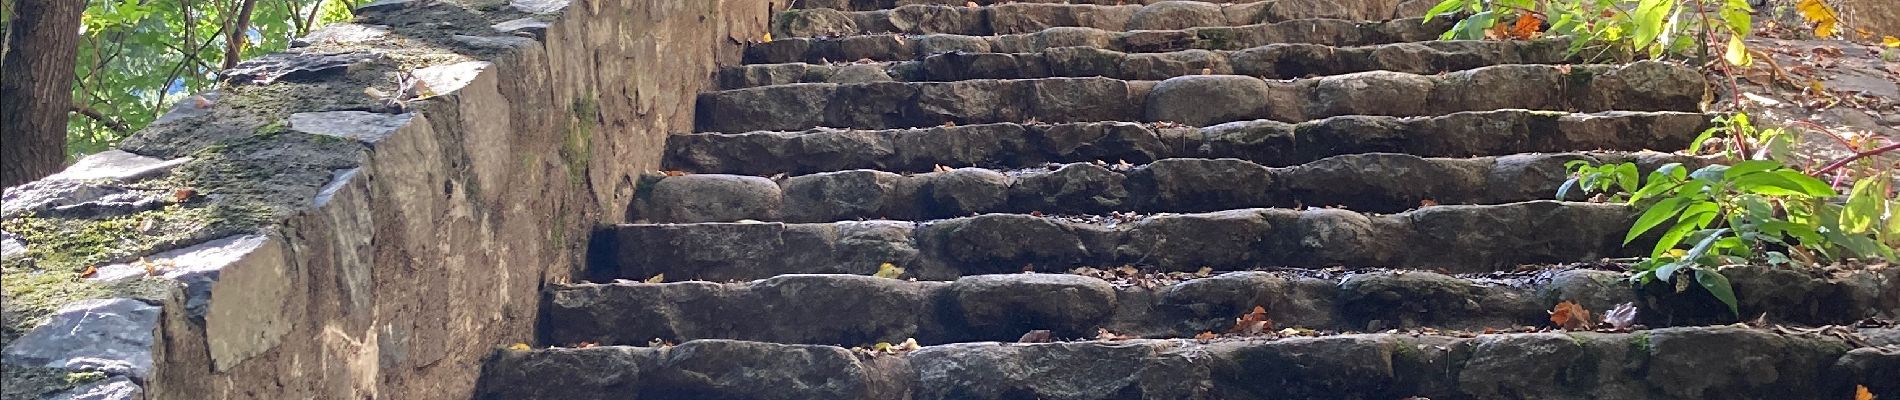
{"x":36,"y":87}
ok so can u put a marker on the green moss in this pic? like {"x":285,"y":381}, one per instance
{"x":32,"y":383}
{"x":274,"y":128}
{"x":59,"y":250}
{"x":578,"y":148}
{"x":1641,"y":344}
{"x":81,"y":378}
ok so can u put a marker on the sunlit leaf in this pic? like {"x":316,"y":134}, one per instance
{"x":1737,"y":52}
{"x":1826,"y":21}
{"x":1654,"y":216}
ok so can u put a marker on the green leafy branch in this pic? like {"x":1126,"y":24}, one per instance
{"x":1755,"y":210}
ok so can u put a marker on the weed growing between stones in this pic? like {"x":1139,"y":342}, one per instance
{"x":1611,"y":28}
{"x":1755,"y":210}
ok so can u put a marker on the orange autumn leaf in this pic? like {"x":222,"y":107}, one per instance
{"x":1570,"y":316}
{"x":1205,"y":337}
{"x":89,"y":272}
{"x":1527,"y":26}
{"x":1861,"y":393}
{"x":1252,"y":323}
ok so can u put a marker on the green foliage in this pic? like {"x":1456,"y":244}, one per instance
{"x":1754,"y":210}
{"x":1655,"y":28}
{"x":137,"y":57}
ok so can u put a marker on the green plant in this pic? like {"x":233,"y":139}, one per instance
{"x":1755,"y":210}
{"x":1652,"y":27}
{"x":138,"y":57}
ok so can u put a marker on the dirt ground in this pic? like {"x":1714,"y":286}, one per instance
{"x":1842,"y":95}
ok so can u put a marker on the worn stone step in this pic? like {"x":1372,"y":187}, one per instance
{"x":1722,"y":362}
{"x":1201,"y":100}
{"x":1455,"y":238}
{"x":1274,"y":61}
{"x":1375,"y":182}
{"x":898,"y":47}
{"x":1010,"y":145}
{"x":1012,"y":18}
{"x":862,"y":310}
{"x":1400,"y":8}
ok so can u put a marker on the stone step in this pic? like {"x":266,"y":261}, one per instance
{"x":1274,"y":61}
{"x":1013,"y":18}
{"x":1721,"y":362}
{"x":1455,"y":238}
{"x":1400,"y":8}
{"x":1374,"y":182}
{"x":1010,"y":145}
{"x":862,"y":310}
{"x":898,"y":47}
{"x":1202,"y":100}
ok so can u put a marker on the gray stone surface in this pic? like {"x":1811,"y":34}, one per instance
{"x":1264,"y":142}
{"x":72,"y":198}
{"x":113,"y":388}
{"x":1191,"y":100}
{"x":1459,"y":238}
{"x":103,"y":332}
{"x":857,"y":309}
{"x":1368,"y":366}
{"x":296,"y":67}
{"x":360,"y":126}
{"x":702,"y":198}
{"x":117,"y":165}
{"x":1067,"y":305}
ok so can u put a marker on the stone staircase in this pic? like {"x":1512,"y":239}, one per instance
{"x":1122,"y":177}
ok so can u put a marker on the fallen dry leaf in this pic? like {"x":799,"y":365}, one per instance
{"x":1104,"y":334}
{"x":1861,"y":393}
{"x":1570,"y":316}
{"x":673,"y":173}
{"x":1527,"y":27}
{"x":583,"y":345}
{"x":656,"y":279}
{"x":1621,"y":317}
{"x":1252,"y":323}
{"x":519,"y":347}
{"x":1422,"y":203}
{"x":1204,"y":337}
{"x":1036,"y":336}
{"x":181,"y":194}
{"x":89,"y":272}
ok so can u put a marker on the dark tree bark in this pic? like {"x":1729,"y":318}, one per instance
{"x":36,"y":87}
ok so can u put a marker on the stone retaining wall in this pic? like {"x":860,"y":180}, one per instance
{"x":389,"y":198}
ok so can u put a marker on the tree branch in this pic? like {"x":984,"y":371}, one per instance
{"x":238,"y":35}
{"x":115,"y":125}
{"x":1843,"y":162}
